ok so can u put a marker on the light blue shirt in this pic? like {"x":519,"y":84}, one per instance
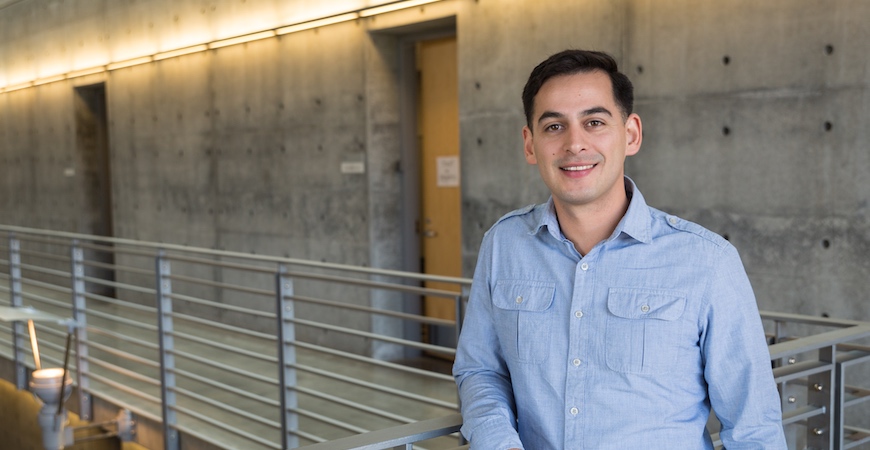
{"x":626,"y":347}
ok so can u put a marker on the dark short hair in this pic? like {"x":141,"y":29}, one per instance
{"x":570,"y":62}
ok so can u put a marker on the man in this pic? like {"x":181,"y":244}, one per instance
{"x":596,"y":321}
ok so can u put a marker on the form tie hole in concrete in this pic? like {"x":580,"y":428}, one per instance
{"x":726,"y":237}
{"x":639,"y":70}
{"x":826,"y":315}
{"x":726,"y":131}
{"x":726,"y":60}
{"x":829,"y":49}
{"x":479,"y":141}
{"x":828,"y":125}
{"x":477,"y":85}
{"x":826,"y":243}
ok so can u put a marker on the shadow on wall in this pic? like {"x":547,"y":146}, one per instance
{"x":20,"y":430}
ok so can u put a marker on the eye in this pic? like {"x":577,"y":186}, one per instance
{"x":553,"y":127}
{"x":594,"y":123}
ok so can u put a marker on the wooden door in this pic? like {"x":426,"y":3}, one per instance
{"x":440,"y":224}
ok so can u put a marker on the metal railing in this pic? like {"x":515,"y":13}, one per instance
{"x":248,"y":351}
{"x":810,"y":371}
{"x":236,"y":350}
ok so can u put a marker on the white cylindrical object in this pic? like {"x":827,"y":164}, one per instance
{"x":46,"y":385}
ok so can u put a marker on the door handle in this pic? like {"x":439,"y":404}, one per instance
{"x":430,"y":233}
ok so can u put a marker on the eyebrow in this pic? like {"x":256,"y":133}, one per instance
{"x":557,"y":115}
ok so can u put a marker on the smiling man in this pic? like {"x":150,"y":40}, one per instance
{"x":596,"y":321}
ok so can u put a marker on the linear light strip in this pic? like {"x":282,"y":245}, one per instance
{"x":395,"y":6}
{"x":293,"y":28}
{"x":318,"y":23}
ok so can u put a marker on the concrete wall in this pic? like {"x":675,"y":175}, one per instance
{"x":754,"y":118}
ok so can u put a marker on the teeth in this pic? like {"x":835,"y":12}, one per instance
{"x":579,"y":168}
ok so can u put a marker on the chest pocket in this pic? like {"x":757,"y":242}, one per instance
{"x":644,"y":334}
{"x":522,"y":307}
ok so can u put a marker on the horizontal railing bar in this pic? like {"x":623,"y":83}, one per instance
{"x":227,"y":408}
{"x":375,"y":284}
{"x":224,"y":306}
{"x":375,"y":387}
{"x":42,"y":239}
{"x":121,"y":250}
{"x":802,"y":413}
{"x":45,"y":255}
{"x":123,"y":337}
{"x":374,"y":336}
{"x":124,"y":355}
{"x":818,"y":341}
{"x":222,"y":264}
{"x":37,"y":269}
{"x":224,"y":327}
{"x":228,"y":388}
{"x":809,"y":320}
{"x":375,"y":362}
{"x":121,"y":303}
{"x":353,"y":405}
{"x":224,"y":427}
{"x":383,"y":312}
{"x":856,"y":437}
{"x":125,"y":372}
{"x":137,"y":411}
{"x":47,"y":286}
{"x":800,"y":370}
{"x":45,"y":300}
{"x":395,"y":436}
{"x":329,"y":420}
{"x":132,"y":323}
{"x":121,"y":387}
{"x":228,"y":348}
{"x":232,"y":287}
{"x":225,"y":367}
{"x":243,"y":256}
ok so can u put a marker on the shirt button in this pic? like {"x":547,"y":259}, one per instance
{"x":672,"y":220}
{"x":576,"y":362}
{"x":584,"y":266}
{"x":574,"y":411}
{"x":644,"y":308}
{"x":578,"y":314}
{"x":519,"y":299}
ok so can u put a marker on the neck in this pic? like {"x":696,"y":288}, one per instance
{"x":587,"y":225}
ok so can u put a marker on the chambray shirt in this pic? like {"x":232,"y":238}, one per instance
{"x":628,"y":346}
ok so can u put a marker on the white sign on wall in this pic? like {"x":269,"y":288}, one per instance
{"x":448,"y":171}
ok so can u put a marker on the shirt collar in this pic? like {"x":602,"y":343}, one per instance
{"x":636,"y":223}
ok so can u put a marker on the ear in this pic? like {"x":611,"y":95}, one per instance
{"x":528,"y":146}
{"x":633,"y":134}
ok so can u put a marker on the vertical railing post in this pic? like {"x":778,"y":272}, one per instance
{"x":820,"y":433}
{"x":171,"y":439}
{"x":287,"y":360}
{"x":839,"y":405}
{"x":79,"y":304}
{"x":461,"y":301}
{"x":19,"y":333}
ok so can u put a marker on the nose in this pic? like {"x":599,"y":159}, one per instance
{"x":575,"y":140}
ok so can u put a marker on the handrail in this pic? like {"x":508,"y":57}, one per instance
{"x":204,"y":320}
{"x":236,"y":326}
{"x":393,"y":437}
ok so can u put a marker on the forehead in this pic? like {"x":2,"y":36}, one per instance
{"x":579,"y":90}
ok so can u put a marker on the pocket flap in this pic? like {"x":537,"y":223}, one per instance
{"x":521,"y":295}
{"x":639,"y":303}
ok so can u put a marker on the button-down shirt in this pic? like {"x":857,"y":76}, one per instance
{"x":627,"y":346}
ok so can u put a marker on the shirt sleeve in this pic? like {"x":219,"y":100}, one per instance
{"x":483,"y":379}
{"x":737,"y":367}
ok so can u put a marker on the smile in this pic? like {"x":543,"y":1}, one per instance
{"x":578,"y":168}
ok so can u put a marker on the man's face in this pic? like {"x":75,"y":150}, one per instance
{"x":579,"y":140}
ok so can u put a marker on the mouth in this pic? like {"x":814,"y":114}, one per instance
{"x":577,"y":168}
